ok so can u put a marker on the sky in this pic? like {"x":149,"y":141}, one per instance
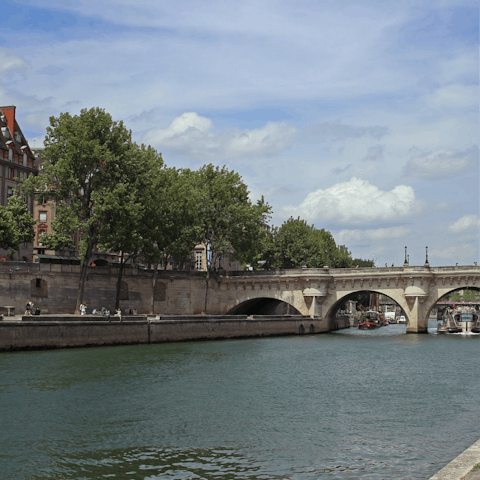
{"x":358,"y":116}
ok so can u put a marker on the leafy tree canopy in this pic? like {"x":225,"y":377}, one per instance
{"x":228,"y":222}
{"x":16,"y":224}
{"x":92,"y":163}
{"x":296,"y":242}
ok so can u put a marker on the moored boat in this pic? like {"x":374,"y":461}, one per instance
{"x":369,"y":320}
{"x":458,"y":320}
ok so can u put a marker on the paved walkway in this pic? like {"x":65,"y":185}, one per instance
{"x":462,"y":468}
{"x":473,"y":475}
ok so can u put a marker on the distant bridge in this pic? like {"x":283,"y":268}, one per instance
{"x":318,"y":292}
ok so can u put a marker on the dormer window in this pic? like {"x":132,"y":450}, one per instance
{"x":5,"y":132}
{"x":18,"y":137}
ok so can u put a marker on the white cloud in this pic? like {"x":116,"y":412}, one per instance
{"x":346,"y":236}
{"x":11,"y":63}
{"x":458,"y":252}
{"x":357,"y":202}
{"x":193,"y":134}
{"x":454,"y":97}
{"x":443,"y":163}
{"x":467,"y":222}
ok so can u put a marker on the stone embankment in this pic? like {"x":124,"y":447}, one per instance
{"x":465,"y":467}
{"x":62,"y":331}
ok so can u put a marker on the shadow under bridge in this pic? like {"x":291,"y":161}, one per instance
{"x":264,"y":306}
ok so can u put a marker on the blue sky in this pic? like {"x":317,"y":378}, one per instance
{"x":359,"y":116}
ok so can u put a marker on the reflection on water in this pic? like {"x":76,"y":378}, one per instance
{"x":353,"y":404}
{"x":150,"y":463}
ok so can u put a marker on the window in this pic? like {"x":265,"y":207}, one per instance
{"x":10,"y":154}
{"x":9,"y":192}
{"x":198,"y":260}
{"x":42,"y":216}
{"x":11,"y":173}
{"x":24,"y":159}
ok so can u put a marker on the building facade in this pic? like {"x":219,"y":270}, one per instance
{"x":17,"y":163}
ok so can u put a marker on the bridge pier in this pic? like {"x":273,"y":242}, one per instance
{"x":415,"y":322}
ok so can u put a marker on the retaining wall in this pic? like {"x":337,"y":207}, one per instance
{"x":70,"y":331}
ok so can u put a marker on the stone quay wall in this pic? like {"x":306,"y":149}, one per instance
{"x":70,"y":331}
{"x":53,"y":288}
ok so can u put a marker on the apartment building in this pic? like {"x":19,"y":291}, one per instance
{"x":17,"y":162}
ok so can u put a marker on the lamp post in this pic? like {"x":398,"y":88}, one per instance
{"x":405,"y":264}
{"x":426,"y":257}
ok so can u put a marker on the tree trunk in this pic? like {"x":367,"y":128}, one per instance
{"x":207,"y":278}
{"x":119,"y":282}
{"x":154,"y":286}
{"x":83,"y":275}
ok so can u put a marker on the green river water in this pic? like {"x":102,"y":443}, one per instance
{"x":348,"y":405}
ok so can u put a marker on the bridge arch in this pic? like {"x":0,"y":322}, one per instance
{"x":330,"y":308}
{"x":432,"y":302}
{"x":263,"y":306}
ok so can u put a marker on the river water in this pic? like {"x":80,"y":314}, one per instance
{"x":347,"y":405}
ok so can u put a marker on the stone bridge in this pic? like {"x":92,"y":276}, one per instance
{"x":318,"y":292}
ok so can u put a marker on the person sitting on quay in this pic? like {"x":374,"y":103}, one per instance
{"x":118,"y":313}
{"x":37,"y":311}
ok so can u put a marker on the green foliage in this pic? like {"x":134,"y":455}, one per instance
{"x":296,"y":242}
{"x":16,"y":224}
{"x":123,"y":209}
{"x":7,"y":229}
{"x":63,"y":226}
{"x":87,"y":153}
{"x":172,"y":216}
{"x":227,"y":220}
{"x":470,"y":295}
{"x":362,"y":263}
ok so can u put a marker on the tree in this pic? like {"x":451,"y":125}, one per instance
{"x":362,"y":262}
{"x":296,"y":243}
{"x":228,"y":223}
{"x":7,"y":229}
{"x":87,"y":153}
{"x":16,"y":224}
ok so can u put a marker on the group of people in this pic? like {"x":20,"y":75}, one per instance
{"x":29,"y":308}
{"x":104,"y":312}
{"x":83,"y":310}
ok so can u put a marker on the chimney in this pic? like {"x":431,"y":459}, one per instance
{"x":9,"y":113}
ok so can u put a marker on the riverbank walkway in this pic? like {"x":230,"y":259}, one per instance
{"x":463,"y":467}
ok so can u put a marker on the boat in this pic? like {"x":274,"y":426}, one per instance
{"x":459,"y":320}
{"x":369,"y":320}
